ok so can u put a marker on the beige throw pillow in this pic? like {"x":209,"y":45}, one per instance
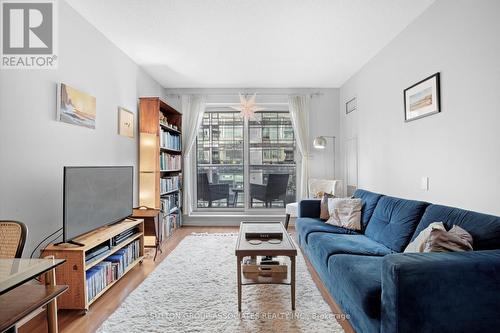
{"x":418,"y":243}
{"x":454,"y":240}
{"x":345,"y":213}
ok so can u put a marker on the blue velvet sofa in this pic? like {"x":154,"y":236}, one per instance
{"x":385,"y":290}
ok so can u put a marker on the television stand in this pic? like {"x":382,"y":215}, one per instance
{"x":73,"y":272}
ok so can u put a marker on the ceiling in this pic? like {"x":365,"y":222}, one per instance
{"x":250,"y":43}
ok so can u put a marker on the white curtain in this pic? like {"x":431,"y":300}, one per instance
{"x":193,"y":108}
{"x":299,"y":111}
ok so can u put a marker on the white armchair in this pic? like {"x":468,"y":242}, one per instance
{"x":330,"y":186}
{"x":315,"y":185}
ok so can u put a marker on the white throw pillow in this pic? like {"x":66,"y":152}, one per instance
{"x":345,"y":213}
{"x":418,"y":243}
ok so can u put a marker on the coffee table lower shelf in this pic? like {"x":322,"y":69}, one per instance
{"x":248,"y":279}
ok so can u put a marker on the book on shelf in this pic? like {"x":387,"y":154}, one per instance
{"x":110,"y":269}
{"x":266,"y":232}
{"x":170,"y":222}
{"x":169,"y":202}
{"x":170,"y":140}
{"x":170,"y":162}
{"x":168,"y":184}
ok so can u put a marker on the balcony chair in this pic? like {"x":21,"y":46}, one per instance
{"x":275,"y":189}
{"x":211,"y":192}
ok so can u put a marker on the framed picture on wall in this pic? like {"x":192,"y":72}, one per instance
{"x":423,"y":98}
{"x":125,"y":122}
{"x":75,"y":107}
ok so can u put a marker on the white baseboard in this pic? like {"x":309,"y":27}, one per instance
{"x":229,"y":220}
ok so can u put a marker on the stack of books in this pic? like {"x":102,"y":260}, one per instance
{"x":170,"y":223}
{"x":170,"y":141}
{"x":169,"y":184}
{"x":169,"y":202}
{"x":110,"y":269}
{"x":170,"y":162}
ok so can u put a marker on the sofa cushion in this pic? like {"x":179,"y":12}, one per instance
{"x":485,"y":229}
{"x":370,"y":200}
{"x":306,"y":225}
{"x":355,"y":283}
{"x":394,"y":220}
{"x":309,"y":208}
{"x":322,"y":245}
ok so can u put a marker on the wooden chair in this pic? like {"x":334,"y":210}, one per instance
{"x":12,"y":239}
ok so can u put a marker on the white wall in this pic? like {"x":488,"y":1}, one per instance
{"x":34,"y":147}
{"x":459,"y":149}
{"x":323,"y":120}
{"x":324,"y":117}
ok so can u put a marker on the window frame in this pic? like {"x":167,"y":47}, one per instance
{"x":246,"y":210}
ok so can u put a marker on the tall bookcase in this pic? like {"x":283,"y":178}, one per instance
{"x":160,"y":162}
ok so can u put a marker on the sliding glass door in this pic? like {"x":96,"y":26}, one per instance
{"x":220,"y":161}
{"x":271,"y":160}
{"x":225,"y":141}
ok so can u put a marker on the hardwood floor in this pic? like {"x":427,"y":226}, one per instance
{"x":73,"y":321}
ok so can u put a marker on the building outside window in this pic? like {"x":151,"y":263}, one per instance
{"x":225,"y":141}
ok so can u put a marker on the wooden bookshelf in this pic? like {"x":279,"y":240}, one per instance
{"x":156,"y":119}
{"x":73,"y":272}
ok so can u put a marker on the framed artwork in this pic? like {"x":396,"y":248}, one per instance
{"x":423,"y":98}
{"x":125,"y":122}
{"x":75,"y":107}
{"x":351,"y":105}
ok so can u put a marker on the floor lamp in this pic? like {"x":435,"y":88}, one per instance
{"x":320,"y":143}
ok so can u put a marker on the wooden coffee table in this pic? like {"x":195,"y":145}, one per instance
{"x":244,"y":249}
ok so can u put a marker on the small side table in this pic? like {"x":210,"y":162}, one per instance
{"x":292,"y":210}
{"x":151,"y":218}
{"x":236,"y":191}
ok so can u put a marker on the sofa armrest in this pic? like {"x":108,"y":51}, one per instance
{"x":309,"y":208}
{"x":441,"y":292}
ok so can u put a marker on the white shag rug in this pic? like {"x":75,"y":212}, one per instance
{"x":194,"y":290}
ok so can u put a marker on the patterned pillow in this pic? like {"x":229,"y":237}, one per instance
{"x":345,"y":213}
{"x":454,"y":240}
{"x":418,"y":243}
{"x":435,"y":238}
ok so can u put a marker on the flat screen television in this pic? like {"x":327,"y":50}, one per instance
{"x":95,"y":197}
